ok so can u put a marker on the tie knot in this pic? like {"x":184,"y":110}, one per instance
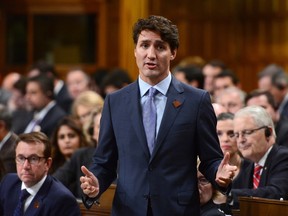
{"x":24,"y":194}
{"x":152,"y":92}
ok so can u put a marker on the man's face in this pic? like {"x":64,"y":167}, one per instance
{"x":153,"y":56}
{"x":221,"y":83}
{"x":209,"y":73}
{"x":76,"y":83}
{"x":29,"y":173}
{"x":35,"y":97}
{"x":262,"y":101}
{"x":231,"y":101}
{"x":252,"y":143}
{"x":226,"y":136}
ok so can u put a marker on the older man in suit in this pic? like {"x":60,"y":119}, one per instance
{"x":267,"y":176}
{"x":45,"y":195}
{"x":156,"y":160}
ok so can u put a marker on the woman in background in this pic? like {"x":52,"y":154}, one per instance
{"x":67,"y":138}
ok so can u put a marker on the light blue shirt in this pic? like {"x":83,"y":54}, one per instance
{"x":160,"y":99}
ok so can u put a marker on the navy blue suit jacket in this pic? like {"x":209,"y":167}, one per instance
{"x":52,"y":198}
{"x":168,"y":178}
{"x":273,"y":181}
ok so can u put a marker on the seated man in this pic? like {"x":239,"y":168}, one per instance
{"x":45,"y":195}
{"x":267,"y":176}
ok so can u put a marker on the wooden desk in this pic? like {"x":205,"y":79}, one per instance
{"x":254,"y":206}
{"x":104,"y":209}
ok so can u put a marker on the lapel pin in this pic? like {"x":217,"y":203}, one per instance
{"x":36,"y":204}
{"x":176,"y":103}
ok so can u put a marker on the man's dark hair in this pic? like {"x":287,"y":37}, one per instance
{"x":228,"y":73}
{"x":259,"y":92}
{"x":279,"y":80}
{"x":217,"y":63}
{"x":225,"y":116}
{"x":158,"y":24}
{"x":117,"y":78}
{"x":192,"y":73}
{"x":36,"y":137}
{"x":46,"y":84}
{"x":44,"y":68}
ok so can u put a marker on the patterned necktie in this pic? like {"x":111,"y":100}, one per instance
{"x":256,"y":175}
{"x":20,"y":206}
{"x":149,"y":119}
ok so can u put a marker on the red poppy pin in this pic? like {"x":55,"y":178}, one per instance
{"x":176,"y":103}
{"x":36,"y":204}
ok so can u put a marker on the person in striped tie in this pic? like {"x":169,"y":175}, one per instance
{"x":267,"y":175}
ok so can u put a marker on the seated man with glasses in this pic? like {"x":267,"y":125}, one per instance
{"x":31,"y":190}
{"x":267,"y":176}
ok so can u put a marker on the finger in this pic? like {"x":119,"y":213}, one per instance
{"x":226,"y":159}
{"x":86,"y":172}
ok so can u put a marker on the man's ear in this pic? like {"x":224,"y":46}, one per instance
{"x":173,"y":54}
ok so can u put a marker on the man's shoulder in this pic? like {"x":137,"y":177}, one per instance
{"x":58,"y":188}
{"x":10,"y":179}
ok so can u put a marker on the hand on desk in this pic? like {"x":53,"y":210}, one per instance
{"x":89,"y":183}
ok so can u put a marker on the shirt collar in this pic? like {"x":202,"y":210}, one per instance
{"x":161,"y":86}
{"x":41,"y":114}
{"x":264,"y":158}
{"x":35,"y":188}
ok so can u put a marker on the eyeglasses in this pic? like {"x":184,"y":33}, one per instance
{"x":33,"y":160}
{"x":203,"y":181}
{"x":246,"y":133}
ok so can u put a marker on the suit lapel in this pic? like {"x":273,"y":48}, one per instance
{"x":36,"y":204}
{"x":134,"y":107}
{"x":175,"y":100}
{"x":265,"y":170}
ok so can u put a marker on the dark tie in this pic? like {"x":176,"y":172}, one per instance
{"x":256,"y":175}
{"x":149,"y":119}
{"x":20,"y":206}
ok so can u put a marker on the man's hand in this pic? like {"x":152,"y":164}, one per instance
{"x":226,"y":172}
{"x":89,"y":183}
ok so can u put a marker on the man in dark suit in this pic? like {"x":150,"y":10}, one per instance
{"x":46,"y":195}
{"x":46,"y":113}
{"x":62,"y":96}
{"x":158,"y":175}
{"x":267,"y":176}
{"x":7,"y":142}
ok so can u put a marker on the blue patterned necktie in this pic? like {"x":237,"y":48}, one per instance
{"x":20,"y":206}
{"x":149,"y":119}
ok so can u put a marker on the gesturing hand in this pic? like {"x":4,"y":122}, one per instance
{"x":89,"y":183}
{"x":226,"y":172}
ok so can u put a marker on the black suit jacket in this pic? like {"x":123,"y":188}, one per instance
{"x":7,"y":154}
{"x":64,"y":100}
{"x":274,"y":178}
{"x":70,"y":173}
{"x":48,"y":123}
{"x":51,"y":119}
{"x":51,"y":199}
{"x":168,"y":178}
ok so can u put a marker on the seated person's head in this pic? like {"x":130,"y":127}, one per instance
{"x":33,"y":157}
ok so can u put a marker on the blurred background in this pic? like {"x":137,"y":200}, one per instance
{"x":245,"y":34}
